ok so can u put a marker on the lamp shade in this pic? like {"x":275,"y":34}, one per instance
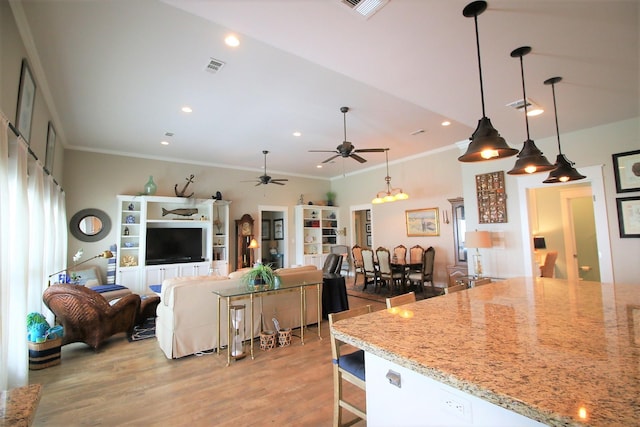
{"x":253,"y":244}
{"x":477,"y":239}
{"x":539,"y":243}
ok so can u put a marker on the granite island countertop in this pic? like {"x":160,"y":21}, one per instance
{"x":558,"y":352}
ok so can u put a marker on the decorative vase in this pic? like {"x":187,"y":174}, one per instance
{"x":150,"y":187}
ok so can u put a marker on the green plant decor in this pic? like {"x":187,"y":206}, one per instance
{"x":331,"y":198}
{"x":260,"y":277}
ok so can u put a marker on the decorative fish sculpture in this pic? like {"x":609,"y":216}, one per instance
{"x":182,"y":212}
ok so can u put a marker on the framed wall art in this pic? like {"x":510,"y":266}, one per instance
{"x":266,"y":229}
{"x":278,"y":229}
{"x":626,"y":168}
{"x":51,"y":148}
{"x":26,"y":98}
{"x":423,"y":222}
{"x":492,"y":198}
{"x":629,"y":216}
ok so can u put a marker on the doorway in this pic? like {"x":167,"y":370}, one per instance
{"x":274,"y":226}
{"x":361,"y":226}
{"x":572,"y":225}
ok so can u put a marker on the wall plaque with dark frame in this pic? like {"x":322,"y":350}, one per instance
{"x":626,"y":168}
{"x":492,"y":198}
{"x":26,"y":98}
{"x":629,"y":216}
{"x":278,"y":229}
{"x":51,"y":148}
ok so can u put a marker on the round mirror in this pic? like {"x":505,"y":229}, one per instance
{"x":90,"y":225}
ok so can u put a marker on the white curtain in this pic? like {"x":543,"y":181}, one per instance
{"x":33,"y":239}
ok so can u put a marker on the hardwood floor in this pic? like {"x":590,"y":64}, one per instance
{"x":135,"y":384}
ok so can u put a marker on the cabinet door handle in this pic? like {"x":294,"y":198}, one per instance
{"x":394,"y":378}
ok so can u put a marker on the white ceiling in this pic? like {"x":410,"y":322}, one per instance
{"x":119,"y":72}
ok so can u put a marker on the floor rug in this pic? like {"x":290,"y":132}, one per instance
{"x":146,"y":330}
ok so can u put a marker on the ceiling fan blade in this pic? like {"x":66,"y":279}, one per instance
{"x":323,"y":151}
{"x":331,"y":158}
{"x":273,"y":181}
{"x":358,"y":158}
{"x":280,"y":179}
{"x":260,"y":183}
{"x":370,"y":150}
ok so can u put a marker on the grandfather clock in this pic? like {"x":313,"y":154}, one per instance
{"x":244,"y":233}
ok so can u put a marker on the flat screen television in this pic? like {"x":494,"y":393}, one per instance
{"x":174,"y":245}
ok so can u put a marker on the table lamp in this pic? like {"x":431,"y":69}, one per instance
{"x":254,"y":245}
{"x":477,"y":239}
{"x":106,"y":254}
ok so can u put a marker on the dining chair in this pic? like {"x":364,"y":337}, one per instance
{"x":426,"y":272}
{"x":400,"y":254}
{"x":455,"y":288}
{"x":346,"y":367}
{"x":391,"y":277}
{"x":358,"y":264}
{"x":547,"y":269}
{"x":370,"y":268}
{"x":401,"y":299}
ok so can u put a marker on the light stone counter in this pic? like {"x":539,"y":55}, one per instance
{"x":557,"y":352}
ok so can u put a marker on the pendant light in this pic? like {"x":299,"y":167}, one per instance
{"x":390,"y":194}
{"x":564,"y":167}
{"x":486,"y":143}
{"x":530,"y":158}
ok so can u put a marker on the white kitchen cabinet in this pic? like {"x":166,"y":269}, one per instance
{"x":397,"y":396}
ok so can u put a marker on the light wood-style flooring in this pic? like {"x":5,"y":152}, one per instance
{"x":135,"y":384}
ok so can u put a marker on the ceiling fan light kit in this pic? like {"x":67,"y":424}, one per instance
{"x":486,"y":143}
{"x":564,"y":171}
{"x":530,"y":158}
{"x":390,"y":194}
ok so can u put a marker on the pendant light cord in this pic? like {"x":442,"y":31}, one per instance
{"x":555,"y":112}
{"x":524,"y":95}
{"x":475,"y":19}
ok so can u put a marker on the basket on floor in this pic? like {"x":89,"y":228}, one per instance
{"x":267,"y":340}
{"x":44,"y":354}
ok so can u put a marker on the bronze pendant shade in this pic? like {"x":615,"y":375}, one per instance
{"x":486,"y":143}
{"x":530,"y":158}
{"x":564,"y":171}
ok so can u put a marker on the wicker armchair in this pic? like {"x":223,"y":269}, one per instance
{"x":87,"y":316}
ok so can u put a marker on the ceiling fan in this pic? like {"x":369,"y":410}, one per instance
{"x":266,"y":179}
{"x":346,"y":149}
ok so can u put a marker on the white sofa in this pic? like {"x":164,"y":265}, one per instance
{"x":187,"y":319}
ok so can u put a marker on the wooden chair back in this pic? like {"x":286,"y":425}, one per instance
{"x":400,"y":253}
{"x":356,"y":252}
{"x":401,"y":299}
{"x":384,"y":260}
{"x":415,"y":254}
{"x":455,"y":288}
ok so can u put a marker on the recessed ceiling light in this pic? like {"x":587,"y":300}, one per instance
{"x":446,"y":123}
{"x":319,"y":166}
{"x":232,"y":40}
{"x":186,"y":109}
{"x":164,"y":142}
{"x":297,"y":134}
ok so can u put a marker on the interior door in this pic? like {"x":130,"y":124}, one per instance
{"x":580,"y":235}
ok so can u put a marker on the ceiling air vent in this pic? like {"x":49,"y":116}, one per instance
{"x":365,"y":8}
{"x":533,"y":109}
{"x":214,"y":65}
